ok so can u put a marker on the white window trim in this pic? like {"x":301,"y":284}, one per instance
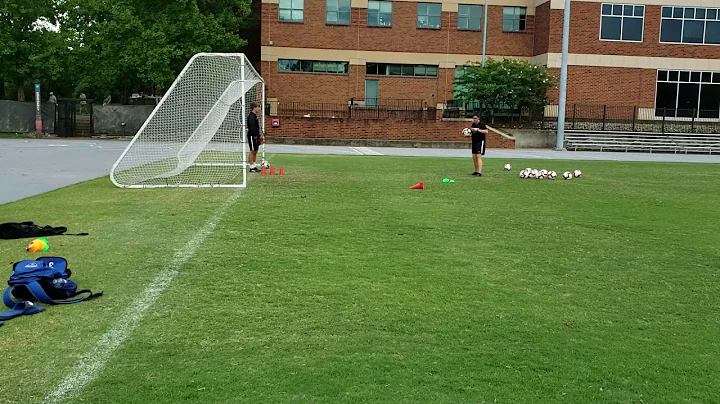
{"x":417,"y":15}
{"x":677,"y":93}
{"x":518,"y":17}
{"x":622,"y":23}
{"x":337,"y":23}
{"x":481,"y":18}
{"x":682,"y":27}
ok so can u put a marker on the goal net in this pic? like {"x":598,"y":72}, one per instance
{"x":196,"y":136}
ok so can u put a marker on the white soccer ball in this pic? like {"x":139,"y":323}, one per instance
{"x":466,"y":132}
{"x":552,"y":175}
{"x":508,"y":167}
{"x":543,"y":172}
{"x":567,"y":175}
{"x":578,"y":173}
{"x":266,"y":164}
{"x":523,"y":174}
{"x":535,"y":173}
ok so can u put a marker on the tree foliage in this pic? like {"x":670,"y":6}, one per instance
{"x":29,"y":50}
{"x":508,"y":83}
{"x":113,"y":47}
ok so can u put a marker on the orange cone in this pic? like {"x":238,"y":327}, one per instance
{"x":263,"y":171}
{"x":282,"y":172}
{"x":272,"y":170}
{"x":419,"y":185}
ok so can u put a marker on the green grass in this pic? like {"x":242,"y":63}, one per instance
{"x":338,"y":284}
{"x":6,"y":135}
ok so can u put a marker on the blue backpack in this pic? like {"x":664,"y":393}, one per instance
{"x":45,"y":280}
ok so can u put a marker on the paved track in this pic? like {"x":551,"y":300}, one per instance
{"x":32,"y":167}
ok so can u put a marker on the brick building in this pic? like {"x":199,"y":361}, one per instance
{"x":655,"y":54}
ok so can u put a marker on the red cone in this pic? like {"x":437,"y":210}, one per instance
{"x":272,"y":170}
{"x":282,"y":172}
{"x":263,"y":172}
{"x":419,"y":185}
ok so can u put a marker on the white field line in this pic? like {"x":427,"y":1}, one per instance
{"x":366,"y":151}
{"x":88,"y":368}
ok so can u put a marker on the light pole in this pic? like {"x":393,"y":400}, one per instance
{"x":563,"y":78}
{"x":485,"y":13}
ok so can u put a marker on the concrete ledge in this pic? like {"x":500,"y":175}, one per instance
{"x":368,"y":143}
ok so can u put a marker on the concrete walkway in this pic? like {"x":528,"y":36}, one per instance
{"x":33,"y":166}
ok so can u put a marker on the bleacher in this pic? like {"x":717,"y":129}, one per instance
{"x":642,"y":142}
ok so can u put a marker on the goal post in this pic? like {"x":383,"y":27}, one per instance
{"x":197,"y":134}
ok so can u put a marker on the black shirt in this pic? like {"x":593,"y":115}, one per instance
{"x":478,"y":135}
{"x":253,"y":125}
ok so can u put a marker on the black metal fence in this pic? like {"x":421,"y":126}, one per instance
{"x":635,"y":119}
{"x":502,"y":117}
{"x":579,"y":117}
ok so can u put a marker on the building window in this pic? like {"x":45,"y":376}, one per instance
{"x":690,"y":25}
{"x":429,"y":15}
{"x":622,"y":22}
{"x":687,"y":94}
{"x":387,"y":69}
{"x":291,"y":10}
{"x":313,"y":66}
{"x":337,"y":12}
{"x":514,"y":19}
{"x":469,"y":17}
{"x":379,"y":13}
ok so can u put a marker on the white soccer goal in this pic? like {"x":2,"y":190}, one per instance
{"x":196,"y":136}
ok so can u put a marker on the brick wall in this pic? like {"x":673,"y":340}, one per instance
{"x":585,"y":34}
{"x":542,"y":29}
{"x":340,"y":88}
{"x":388,"y":129}
{"x":608,"y":86}
{"x":403,"y":36}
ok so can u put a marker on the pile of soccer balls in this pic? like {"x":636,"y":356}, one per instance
{"x":543,"y":173}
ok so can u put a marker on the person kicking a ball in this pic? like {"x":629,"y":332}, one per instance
{"x":479,"y":130}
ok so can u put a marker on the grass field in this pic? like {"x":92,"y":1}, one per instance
{"x":338,"y":284}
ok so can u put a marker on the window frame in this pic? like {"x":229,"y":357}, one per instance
{"x":428,"y":15}
{"x":340,"y":11}
{"x":714,"y":81}
{"x":622,"y":17}
{"x":345,"y":65}
{"x":520,"y":18}
{"x":469,"y":18}
{"x":292,"y":21}
{"x":379,"y":13}
{"x":401,"y":68}
{"x":683,"y":19}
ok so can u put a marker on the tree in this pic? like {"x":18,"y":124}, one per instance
{"x":128,"y":45}
{"x":29,"y":46}
{"x":510,"y":83}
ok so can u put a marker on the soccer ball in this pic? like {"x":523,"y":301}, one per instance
{"x":543,"y":173}
{"x":534,"y":173}
{"x":578,"y":173}
{"x":467,"y":132}
{"x":523,"y":174}
{"x":266,"y":164}
{"x":567,"y":175}
{"x":508,"y":167}
{"x":552,"y":175}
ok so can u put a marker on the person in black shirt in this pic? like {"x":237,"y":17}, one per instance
{"x":253,"y":134}
{"x":479,"y":130}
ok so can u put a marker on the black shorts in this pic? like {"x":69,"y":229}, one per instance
{"x":254,"y":142}
{"x":478,"y":145}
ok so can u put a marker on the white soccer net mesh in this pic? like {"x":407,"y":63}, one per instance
{"x":196,"y":134}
